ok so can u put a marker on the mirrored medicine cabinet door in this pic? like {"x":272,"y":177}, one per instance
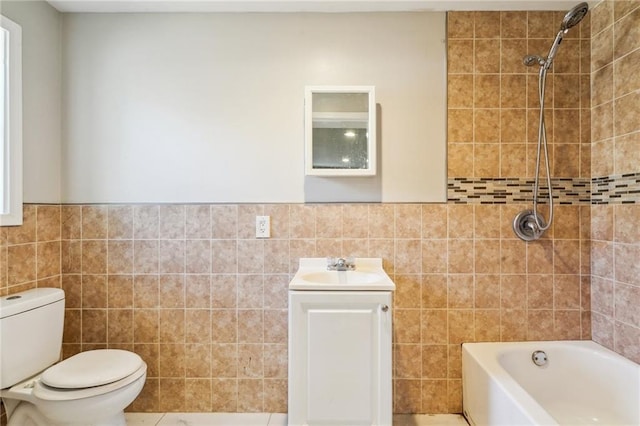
{"x":340,"y":131}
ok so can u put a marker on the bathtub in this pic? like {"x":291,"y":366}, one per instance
{"x":577,"y":383}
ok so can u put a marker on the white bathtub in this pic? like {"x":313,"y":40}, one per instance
{"x":582,"y":383}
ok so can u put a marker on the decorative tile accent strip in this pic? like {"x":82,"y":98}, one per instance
{"x":616,"y":189}
{"x":612,"y":189}
{"x":566,"y":191}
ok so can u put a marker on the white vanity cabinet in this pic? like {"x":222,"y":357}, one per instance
{"x":340,"y":358}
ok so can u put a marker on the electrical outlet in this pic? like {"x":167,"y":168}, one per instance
{"x":263,"y":226}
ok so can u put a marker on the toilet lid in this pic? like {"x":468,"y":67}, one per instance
{"x":92,"y":368}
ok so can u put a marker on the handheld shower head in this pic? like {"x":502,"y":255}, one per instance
{"x":571,"y":19}
{"x":574,"y":16}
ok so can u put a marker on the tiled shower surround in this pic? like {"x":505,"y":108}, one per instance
{"x":190,"y":289}
{"x":615,"y":227}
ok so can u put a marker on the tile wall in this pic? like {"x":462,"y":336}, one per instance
{"x":616,"y":159}
{"x":493,"y":98}
{"x":30,"y":254}
{"x":191,"y":290}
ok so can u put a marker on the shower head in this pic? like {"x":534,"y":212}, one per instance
{"x":571,"y":19}
{"x":574,"y":16}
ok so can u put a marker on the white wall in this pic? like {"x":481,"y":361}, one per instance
{"x":209,"y":107}
{"x":41,"y":80}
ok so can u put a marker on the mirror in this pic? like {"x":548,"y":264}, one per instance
{"x":340,"y":131}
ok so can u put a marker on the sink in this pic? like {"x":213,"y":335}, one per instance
{"x":368,"y":275}
{"x":340,"y":277}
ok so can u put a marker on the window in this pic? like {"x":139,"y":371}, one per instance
{"x":10,"y":122}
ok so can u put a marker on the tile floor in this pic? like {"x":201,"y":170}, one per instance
{"x":268,"y":419}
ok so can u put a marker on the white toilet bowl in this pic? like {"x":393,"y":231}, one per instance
{"x":90,"y":388}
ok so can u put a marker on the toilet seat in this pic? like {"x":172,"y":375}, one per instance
{"x":91,"y":368}
{"x":113,"y":368}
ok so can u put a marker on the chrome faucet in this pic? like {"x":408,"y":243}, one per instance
{"x":340,"y":264}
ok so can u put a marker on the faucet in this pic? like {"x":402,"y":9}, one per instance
{"x":340,"y":264}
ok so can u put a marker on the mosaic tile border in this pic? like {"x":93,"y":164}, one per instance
{"x":612,"y":189}
{"x":616,"y":189}
{"x":569,"y":191}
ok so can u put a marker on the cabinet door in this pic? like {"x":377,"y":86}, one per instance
{"x":340,"y":358}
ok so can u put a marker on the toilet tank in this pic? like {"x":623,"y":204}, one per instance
{"x":31,"y":324}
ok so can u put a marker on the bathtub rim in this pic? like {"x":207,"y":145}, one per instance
{"x":487,"y":355}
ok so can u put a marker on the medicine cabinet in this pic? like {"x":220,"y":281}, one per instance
{"x":340,"y":131}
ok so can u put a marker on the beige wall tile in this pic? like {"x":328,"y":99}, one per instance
{"x":197,"y":326}
{"x":250,"y":395}
{"x":627,"y":153}
{"x":197,"y":256}
{"x":627,"y":34}
{"x":224,"y":256}
{"x":460,"y":291}
{"x":94,"y":222}
{"x":149,"y":398}
{"x":458,"y":54}
{"x":407,"y":294}
{"x":461,"y":325}
{"x":224,"y":291}
{"x":224,"y":222}
{"x":247,"y":219}
{"x":120,"y":326}
{"x":120,"y":222}
{"x":224,"y":326}
{"x":625,"y":120}
{"x":460,"y":159}
{"x":94,"y":291}
{"x":224,"y":395}
{"x":48,"y":259}
{"x":275,"y":360}
{"x":602,"y":49}
{"x":485,"y":56}
{"x":48,"y":223}
{"x":71,"y":219}
{"x":198,"y":222}
{"x":146,"y":291}
{"x":172,"y":291}
{"x":381,"y":221}
{"x":434,"y":291}
{"x":626,"y":341}
{"x":406,"y":327}
{"x":172,"y":395}
{"x":487,"y":323}
{"x":275,"y":395}
{"x":172,"y":326}
{"x":540,"y":325}
{"x":146,"y":222}
{"x":224,"y":360}
{"x":627,"y":269}
{"x":355,"y":221}
{"x":460,"y":25}
{"x":198,"y":395}
{"x":513,"y":325}
{"x":94,"y":325}
{"x":198,"y":291}
{"x":407,"y":396}
{"x":94,"y":256}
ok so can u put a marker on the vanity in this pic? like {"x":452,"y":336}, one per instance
{"x":340,"y":324}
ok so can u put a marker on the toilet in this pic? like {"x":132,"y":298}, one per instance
{"x":89,"y":388}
